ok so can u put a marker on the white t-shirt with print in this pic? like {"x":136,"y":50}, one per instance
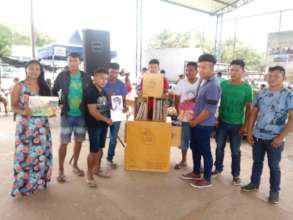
{"x":186,"y":90}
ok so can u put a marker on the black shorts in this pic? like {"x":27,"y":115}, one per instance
{"x":97,"y":137}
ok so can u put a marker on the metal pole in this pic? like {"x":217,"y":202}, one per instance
{"x":138,"y":48}
{"x":136,"y":36}
{"x":280,"y":20}
{"x":32,"y":30}
{"x":216,"y":36}
{"x":137,"y":39}
{"x":140,"y":37}
{"x":203,"y":33}
{"x":279,"y":25}
{"x":53,"y":63}
{"x":235,"y":38}
{"x":220,"y":39}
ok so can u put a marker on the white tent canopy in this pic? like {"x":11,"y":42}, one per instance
{"x":211,"y":7}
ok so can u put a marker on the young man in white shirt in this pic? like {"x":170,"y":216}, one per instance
{"x":185,"y":97}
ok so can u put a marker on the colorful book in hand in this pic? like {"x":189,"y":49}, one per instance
{"x":43,"y":105}
{"x":186,"y":111}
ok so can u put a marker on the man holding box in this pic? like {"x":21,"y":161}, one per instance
{"x":154,"y":68}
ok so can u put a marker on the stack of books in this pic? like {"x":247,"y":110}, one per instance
{"x":160,"y":109}
{"x":141,"y":110}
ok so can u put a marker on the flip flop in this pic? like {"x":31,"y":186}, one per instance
{"x":91,"y":183}
{"x":102,"y":174}
{"x":78,"y":171}
{"x":178,"y":166}
{"x":112,"y":165}
{"x":61,"y":178}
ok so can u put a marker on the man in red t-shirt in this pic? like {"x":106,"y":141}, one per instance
{"x":154,"y":68}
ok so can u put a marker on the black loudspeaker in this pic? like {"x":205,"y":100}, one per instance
{"x":97,"y":53}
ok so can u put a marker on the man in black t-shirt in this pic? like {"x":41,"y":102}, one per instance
{"x":97,"y":120}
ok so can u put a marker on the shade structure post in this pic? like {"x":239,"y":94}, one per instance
{"x":138,"y":47}
{"x":33,"y":38}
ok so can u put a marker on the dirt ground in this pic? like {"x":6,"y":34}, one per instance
{"x":142,"y":195}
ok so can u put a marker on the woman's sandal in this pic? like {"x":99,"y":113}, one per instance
{"x":91,"y":183}
{"x":61,"y":178}
{"x":102,"y":174}
{"x":178,"y":166}
{"x":78,"y":171}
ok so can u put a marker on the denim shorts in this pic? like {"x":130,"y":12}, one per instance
{"x":185,"y":136}
{"x":97,"y":137}
{"x":75,"y":125}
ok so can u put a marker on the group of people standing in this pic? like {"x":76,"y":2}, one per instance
{"x":225,"y":105}
{"x":228,"y":106}
{"x":84,"y":103}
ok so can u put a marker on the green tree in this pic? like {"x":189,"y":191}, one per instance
{"x":229,"y":50}
{"x":5,"y":40}
{"x":202,"y":43}
{"x":22,"y":38}
{"x":11,"y":35}
{"x":43,"y":39}
{"x":170,"y":39}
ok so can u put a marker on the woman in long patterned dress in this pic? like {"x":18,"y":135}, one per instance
{"x":33,"y":154}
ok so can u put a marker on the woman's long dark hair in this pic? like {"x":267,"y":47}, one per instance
{"x":44,"y":88}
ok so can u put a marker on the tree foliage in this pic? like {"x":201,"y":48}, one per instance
{"x":11,"y":35}
{"x":229,"y":49}
{"x":5,"y":40}
{"x":170,"y":39}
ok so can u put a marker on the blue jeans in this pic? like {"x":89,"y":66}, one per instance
{"x":114,"y":129}
{"x":259,"y":149}
{"x":200,"y":146}
{"x":185,"y":136}
{"x":224,"y":131}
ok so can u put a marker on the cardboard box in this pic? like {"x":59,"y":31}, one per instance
{"x":153,"y":85}
{"x":176,"y":136}
{"x":148,"y":146}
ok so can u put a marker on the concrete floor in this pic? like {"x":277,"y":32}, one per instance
{"x":141,"y":195}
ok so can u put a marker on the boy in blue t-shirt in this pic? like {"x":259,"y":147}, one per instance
{"x":115,"y":87}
